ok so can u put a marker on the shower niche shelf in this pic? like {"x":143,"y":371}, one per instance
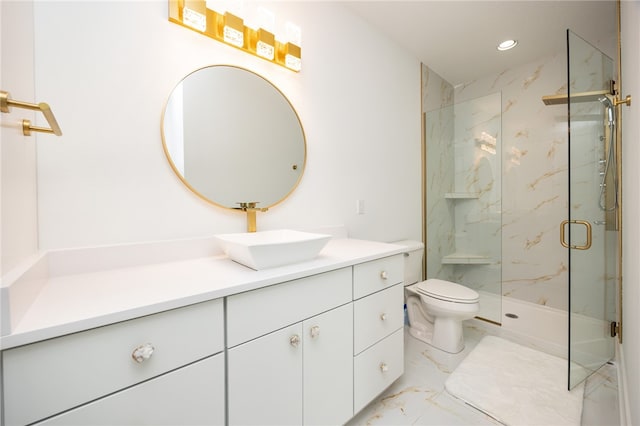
{"x":466,"y":259}
{"x":461,"y":195}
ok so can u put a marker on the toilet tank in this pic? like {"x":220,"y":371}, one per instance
{"x":412,"y":260}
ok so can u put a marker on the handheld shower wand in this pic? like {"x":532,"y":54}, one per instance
{"x":610,"y":111}
{"x":611,"y":159}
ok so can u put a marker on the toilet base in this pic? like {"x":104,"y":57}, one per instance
{"x":451,"y":346}
{"x":440,"y":328}
{"x":420,"y":334}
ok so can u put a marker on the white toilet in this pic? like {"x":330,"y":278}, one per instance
{"x":436,"y":308}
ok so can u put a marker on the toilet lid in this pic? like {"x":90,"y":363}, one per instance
{"x":446,"y":290}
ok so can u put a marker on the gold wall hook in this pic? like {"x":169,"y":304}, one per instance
{"x":626,"y":101}
{"x":6,"y":102}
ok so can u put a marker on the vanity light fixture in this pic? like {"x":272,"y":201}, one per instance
{"x":265,"y":41}
{"x":507,"y":44}
{"x":291,"y":54}
{"x":232,"y":30}
{"x":194,"y":14}
{"x":265,"y":44}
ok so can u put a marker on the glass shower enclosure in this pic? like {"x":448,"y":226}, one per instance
{"x":464,"y":198}
{"x":590,"y":231}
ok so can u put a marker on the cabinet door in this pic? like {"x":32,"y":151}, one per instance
{"x":192,"y":395}
{"x":265,"y":379}
{"x":328,"y":367}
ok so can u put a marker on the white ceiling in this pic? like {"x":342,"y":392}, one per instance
{"x":458,"y":39}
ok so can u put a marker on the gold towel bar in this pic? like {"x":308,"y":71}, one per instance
{"x":27,"y":128}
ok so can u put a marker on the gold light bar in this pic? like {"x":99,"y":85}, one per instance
{"x":230,"y":29}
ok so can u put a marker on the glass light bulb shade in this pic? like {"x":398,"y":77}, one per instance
{"x":260,"y":18}
{"x":293,"y":34}
{"x":265,"y":44}
{"x":265,"y":50}
{"x":217,"y":6}
{"x":293,"y":62}
{"x":292,"y":57}
{"x":233,"y":30}
{"x":194,"y":19}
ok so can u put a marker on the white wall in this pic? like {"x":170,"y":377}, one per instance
{"x":107,"y":69}
{"x":630,"y":28}
{"x":19,"y":238}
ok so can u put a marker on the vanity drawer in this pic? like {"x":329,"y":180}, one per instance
{"x":376,"y":368}
{"x":377,"y":316}
{"x":47,"y":377}
{"x":258,"y":312}
{"x":377,"y":275}
{"x":191,"y":395}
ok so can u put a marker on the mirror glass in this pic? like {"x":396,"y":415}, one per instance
{"x":232,"y":137}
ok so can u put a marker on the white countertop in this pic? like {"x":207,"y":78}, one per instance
{"x":72,"y":302}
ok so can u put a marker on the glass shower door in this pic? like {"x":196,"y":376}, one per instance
{"x":590,"y":231}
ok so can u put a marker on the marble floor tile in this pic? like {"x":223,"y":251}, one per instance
{"x":419,"y":397}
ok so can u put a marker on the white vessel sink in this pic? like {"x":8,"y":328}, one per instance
{"x":267,"y":249}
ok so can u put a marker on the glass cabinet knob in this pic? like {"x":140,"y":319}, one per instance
{"x":315,"y":331}
{"x":142,"y":353}
{"x":294,"y":340}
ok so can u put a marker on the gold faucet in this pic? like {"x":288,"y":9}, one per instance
{"x":251,"y":209}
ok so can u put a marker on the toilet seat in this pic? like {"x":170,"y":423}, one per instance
{"x":447,"y":291}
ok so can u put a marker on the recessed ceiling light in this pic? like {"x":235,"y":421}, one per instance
{"x":507,"y":44}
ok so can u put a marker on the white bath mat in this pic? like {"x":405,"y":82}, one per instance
{"x":516,"y":385}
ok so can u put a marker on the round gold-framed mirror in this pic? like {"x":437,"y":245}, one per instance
{"x":232,"y":137}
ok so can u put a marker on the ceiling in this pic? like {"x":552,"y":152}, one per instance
{"x":458,"y":39}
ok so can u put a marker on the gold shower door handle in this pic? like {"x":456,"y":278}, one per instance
{"x":563,"y":241}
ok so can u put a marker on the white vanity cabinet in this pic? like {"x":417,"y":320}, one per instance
{"x":290,"y":359}
{"x":49,"y":377}
{"x":318,"y":349}
{"x":204,"y":341}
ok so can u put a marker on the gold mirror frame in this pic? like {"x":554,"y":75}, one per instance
{"x":257,"y":94}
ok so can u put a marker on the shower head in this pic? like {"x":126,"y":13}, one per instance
{"x":609,"y":106}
